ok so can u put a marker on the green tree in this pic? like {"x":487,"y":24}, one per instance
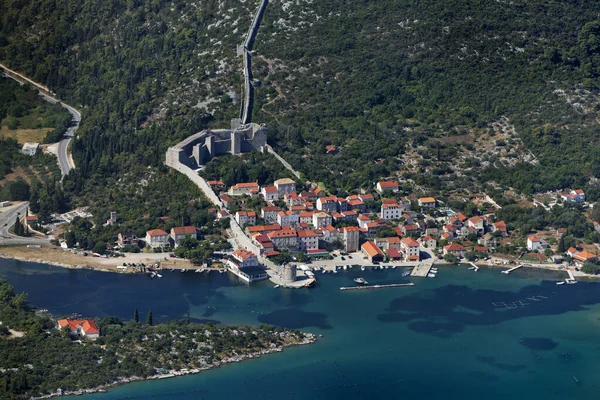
{"x":149,"y":318}
{"x":136,"y":316}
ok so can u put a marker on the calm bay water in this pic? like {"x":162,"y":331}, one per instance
{"x":443,"y":338}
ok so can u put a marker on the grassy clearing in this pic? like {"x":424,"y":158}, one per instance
{"x":24,"y":135}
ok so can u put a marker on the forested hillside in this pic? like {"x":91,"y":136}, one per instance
{"x":379,"y":79}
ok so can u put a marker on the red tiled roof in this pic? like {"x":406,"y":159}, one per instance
{"x":394,"y":253}
{"x":533,"y":239}
{"x":371,"y":249}
{"x":243,"y":254}
{"x":410,"y":242}
{"x":157,"y":232}
{"x":388,"y":184}
{"x":87,"y":325}
{"x":270,"y":189}
{"x":454,"y":247}
{"x":184,"y":230}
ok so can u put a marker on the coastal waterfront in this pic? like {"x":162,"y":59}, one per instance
{"x":376,"y":343}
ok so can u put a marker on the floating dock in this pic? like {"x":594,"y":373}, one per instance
{"x":508,"y":271}
{"x":377,"y":286}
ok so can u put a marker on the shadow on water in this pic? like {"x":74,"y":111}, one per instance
{"x":294,"y":318}
{"x":450,"y":309}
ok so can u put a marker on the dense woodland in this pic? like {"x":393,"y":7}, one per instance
{"x":46,"y":359}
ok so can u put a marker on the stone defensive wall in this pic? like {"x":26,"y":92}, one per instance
{"x":246,"y":115}
{"x":200,"y":148}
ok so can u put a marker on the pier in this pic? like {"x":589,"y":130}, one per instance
{"x":377,"y":286}
{"x":508,"y":271}
{"x":422,"y":269}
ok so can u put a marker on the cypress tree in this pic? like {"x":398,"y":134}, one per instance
{"x":149,"y":318}
{"x":136,"y":316}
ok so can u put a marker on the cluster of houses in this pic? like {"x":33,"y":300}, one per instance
{"x":314,"y":222}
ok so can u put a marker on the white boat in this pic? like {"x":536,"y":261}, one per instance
{"x":431,"y":275}
{"x":159,"y":275}
{"x":361,"y":281}
{"x":184,"y":270}
{"x":571,"y":282}
{"x":386,"y":267}
{"x":381,"y":267}
{"x":345,"y":267}
{"x":335,"y":272}
{"x":324,"y":271}
{"x":362,"y":268}
{"x":433,"y":269}
{"x":393,"y":267}
{"x":275,"y":287}
{"x":560,"y":283}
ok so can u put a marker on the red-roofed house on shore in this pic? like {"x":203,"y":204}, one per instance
{"x":385,"y":186}
{"x":455,"y":249}
{"x":179,"y":233}
{"x":157,"y":238}
{"x":394,"y":254}
{"x":372,"y":251}
{"x":410,"y":247}
{"x":83,"y":328}
{"x":584,"y":256}
{"x":533,"y":243}
{"x":245,"y":265}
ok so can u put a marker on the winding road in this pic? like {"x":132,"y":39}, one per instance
{"x":65,"y":159}
{"x":8,"y":216}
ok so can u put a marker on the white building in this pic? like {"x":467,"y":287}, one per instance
{"x":285,"y":185}
{"x":287,"y":218}
{"x":179,"y":233}
{"x":157,"y":238}
{"x":270,"y":193}
{"x":85,"y":328}
{"x":321,"y":219}
{"x":328,"y":204}
{"x":250,"y":189}
{"x":308,"y":240}
{"x":391,"y":211}
{"x":284,"y":239}
{"x":269,"y":214}
{"x":351,"y":236}
{"x":410,"y":247}
{"x":245,"y":218}
{"x":30,"y":149}
{"x":533,"y":243}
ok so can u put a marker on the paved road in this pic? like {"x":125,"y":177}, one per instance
{"x":7,"y":220}
{"x":65,"y":160}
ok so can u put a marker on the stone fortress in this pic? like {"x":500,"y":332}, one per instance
{"x":200,"y":148}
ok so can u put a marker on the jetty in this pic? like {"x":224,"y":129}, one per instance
{"x":508,"y":271}
{"x":474,"y":267}
{"x":571,"y":279}
{"x":422,"y":269}
{"x":377,"y":286}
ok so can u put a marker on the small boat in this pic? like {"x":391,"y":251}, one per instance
{"x":221,"y":271}
{"x":275,"y":287}
{"x":434,"y":269}
{"x":345,"y":267}
{"x":406,"y":273}
{"x":362,"y":268}
{"x":361,"y":281}
{"x":159,"y":275}
{"x":381,"y":267}
{"x":472,"y":268}
{"x":324,"y":271}
{"x":430,"y":275}
{"x":560,"y":283}
{"x":571,"y":282}
{"x":393,"y":267}
{"x":386,"y":267}
{"x":184,"y":270}
{"x":335,"y":271}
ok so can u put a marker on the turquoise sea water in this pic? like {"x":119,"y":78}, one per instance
{"x":442,"y":338}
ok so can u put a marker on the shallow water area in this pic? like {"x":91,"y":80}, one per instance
{"x":461,"y":335}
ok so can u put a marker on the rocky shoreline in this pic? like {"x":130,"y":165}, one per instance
{"x":309,"y":338}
